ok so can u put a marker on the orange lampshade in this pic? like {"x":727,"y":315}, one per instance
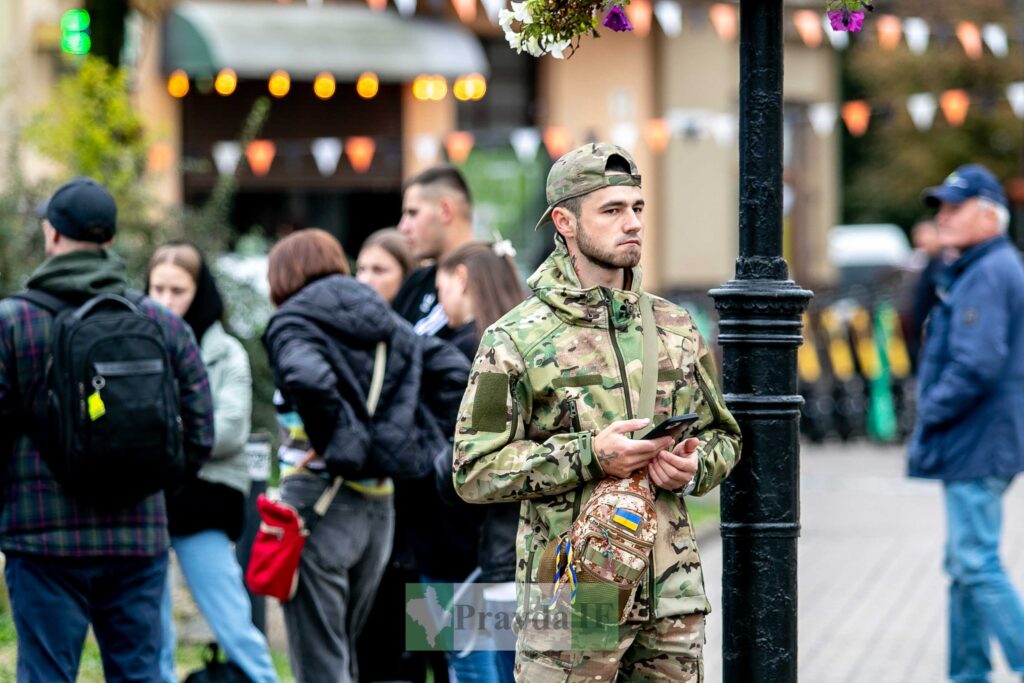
{"x":557,"y":140}
{"x":159,"y":157}
{"x":657,"y":135}
{"x":725,"y":20}
{"x":360,"y":150}
{"x":857,"y":115}
{"x":969,"y":36}
{"x":890,"y":30}
{"x":459,"y":144}
{"x":808,"y":25}
{"x":954,"y":105}
{"x":260,"y":155}
{"x":640,"y":13}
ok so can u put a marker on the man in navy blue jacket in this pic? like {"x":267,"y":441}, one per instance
{"x":970,"y":422}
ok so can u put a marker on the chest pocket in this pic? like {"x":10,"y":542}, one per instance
{"x":574,"y":402}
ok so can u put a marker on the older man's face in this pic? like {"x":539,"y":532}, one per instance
{"x":964,"y":224}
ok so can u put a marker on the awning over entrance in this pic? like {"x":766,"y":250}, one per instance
{"x":256,"y":39}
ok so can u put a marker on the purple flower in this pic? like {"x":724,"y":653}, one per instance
{"x":616,"y":20}
{"x":845,"y":20}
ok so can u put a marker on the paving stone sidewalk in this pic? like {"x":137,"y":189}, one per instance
{"x":873,"y":598}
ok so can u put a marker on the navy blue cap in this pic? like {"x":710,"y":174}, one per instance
{"x":970,"y":180}
{"x":82,"y":210}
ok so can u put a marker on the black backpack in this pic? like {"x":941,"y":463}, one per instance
{"x":112,"y":434}
{"x":215,"y":670}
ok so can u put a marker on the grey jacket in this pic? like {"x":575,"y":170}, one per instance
{"x":227,"y":365}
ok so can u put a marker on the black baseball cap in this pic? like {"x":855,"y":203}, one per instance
{"x":966,"y":182}
{"x":82,"y":210}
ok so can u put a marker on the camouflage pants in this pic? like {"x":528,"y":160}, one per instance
{"x":668,"y":649}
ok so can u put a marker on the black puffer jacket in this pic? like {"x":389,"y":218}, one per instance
{"x":321,"y":343}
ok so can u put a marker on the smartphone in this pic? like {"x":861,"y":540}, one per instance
{"x":672,"y":426}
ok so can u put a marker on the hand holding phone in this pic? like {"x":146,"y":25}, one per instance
{"x":672,"y":426}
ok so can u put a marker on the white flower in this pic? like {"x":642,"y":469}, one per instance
{"x":515,"y":40}
{"x":504,"y":248}
{"x":557,"y":49}
{"x":521,"y":12}
{"x":533,"y":47}
{"x":505,"y":19}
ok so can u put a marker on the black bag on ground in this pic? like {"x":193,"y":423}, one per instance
{"x":217,"y":671}
{"x":112,"y":434}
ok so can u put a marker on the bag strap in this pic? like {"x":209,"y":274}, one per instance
{"x":372,"y":399}
{"x":649,"y":376}
{"x":380,"y":361}
{"x":44,"y":300}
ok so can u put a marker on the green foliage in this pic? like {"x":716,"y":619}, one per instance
{"x":886,"y":169}
{"x":91,"y":128}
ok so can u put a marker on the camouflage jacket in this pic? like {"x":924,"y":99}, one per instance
{"x":552,"y":373}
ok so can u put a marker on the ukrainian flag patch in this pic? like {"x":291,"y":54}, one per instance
{"x":625,"y":518}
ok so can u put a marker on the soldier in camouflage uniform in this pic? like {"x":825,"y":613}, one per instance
{"x":551,"y":401}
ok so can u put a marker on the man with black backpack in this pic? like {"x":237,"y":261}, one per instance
{"x":104,"y":402}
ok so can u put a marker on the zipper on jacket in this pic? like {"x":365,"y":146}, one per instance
{"x":618,"y":352}
{"x":574,"y":414}
{"x":708,"y":396}
{"x":512,"y":381}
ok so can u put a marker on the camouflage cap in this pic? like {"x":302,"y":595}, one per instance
{"x":584,"y":170}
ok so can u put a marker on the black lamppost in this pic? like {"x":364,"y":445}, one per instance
{"x":760,"y":330}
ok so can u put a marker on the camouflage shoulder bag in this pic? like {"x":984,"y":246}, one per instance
{"x":611,"y":540}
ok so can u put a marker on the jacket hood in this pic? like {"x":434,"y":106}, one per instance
{"x":556,"y":284}
{"x":83,"y":273}
{"x":345,"y":308}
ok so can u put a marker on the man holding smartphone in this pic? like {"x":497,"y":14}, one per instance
{"x":970,"y":422}
{"x":555,"y":394}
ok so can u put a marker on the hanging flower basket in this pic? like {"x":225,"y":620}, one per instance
{"x":555,"y":27}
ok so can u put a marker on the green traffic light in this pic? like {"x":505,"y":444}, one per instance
{"x":75,"y":20}
{"x":76,"y":43}
{"x":74,"y":36}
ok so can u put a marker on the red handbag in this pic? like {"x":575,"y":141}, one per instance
{"x":273,"y":568}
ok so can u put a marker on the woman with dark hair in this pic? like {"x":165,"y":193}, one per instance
{"x":477,"y":284}
{"x":208,"y":512}
{"x":384,"y":262}
{"x":323,"y":342}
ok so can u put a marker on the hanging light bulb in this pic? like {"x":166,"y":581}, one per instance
{"x":324,"y":85}
{"x":279,"y":83}
{"x":226,"y":82}
{"x":368,"y":85}
{"x":177,"y":84}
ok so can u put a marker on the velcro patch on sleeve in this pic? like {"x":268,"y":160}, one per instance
{"x":489,"y":402}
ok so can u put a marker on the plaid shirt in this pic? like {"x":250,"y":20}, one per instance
{"x":37,"y":517}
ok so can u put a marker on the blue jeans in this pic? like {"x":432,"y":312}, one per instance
{"x":215,"y":580}
{"x":54,"y":600}
{"x":983,"y":604}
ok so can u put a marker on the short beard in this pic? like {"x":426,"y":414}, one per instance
{"x":603,"y":259}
